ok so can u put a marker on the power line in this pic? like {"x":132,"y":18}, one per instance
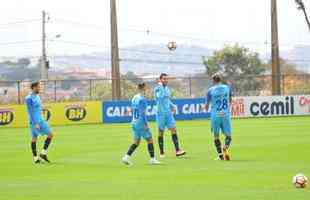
{"x":160,"y":53}
{"x":18,"y":42}
{"x":20,"y":22}
{"x":184,"y":35}
{"x":189,"y":36}
{"x":177,"y":35}
{"x":78,"y":23}
{"x":2,"y":26}
{"x":159,"y":61}
{"x":126,"y":49}
{"x":145,"y":51}
{"x":149,"y":32}
{"x":79,"y":43}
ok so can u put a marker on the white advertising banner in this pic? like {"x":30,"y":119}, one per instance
{"x":268,"y":106}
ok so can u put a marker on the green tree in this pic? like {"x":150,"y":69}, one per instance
{"x":102,"y":90}
{"x":238,"y":66}
{"x":128,"y":89}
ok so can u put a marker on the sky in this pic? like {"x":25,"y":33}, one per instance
{"x":84,"y":25}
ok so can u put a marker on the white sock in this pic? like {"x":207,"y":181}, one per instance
{"x":127,"y":156}
{"x":44,"y":152}
{"x":36,"y":158}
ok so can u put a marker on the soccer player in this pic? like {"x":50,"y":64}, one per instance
{"x":219,"y":96}
{"x":140,"y":126}
{"x":38,"y":125}
{"x":165,"y":115}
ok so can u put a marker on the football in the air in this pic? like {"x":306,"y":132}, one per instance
{"x":300,"y":181}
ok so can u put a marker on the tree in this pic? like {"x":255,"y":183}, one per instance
{"x":20,"y":70}
{"x":102,"y":90}
{"x":238,"y":66}
{"x":23,"y":62}
{"x":131,"y":76}
{"x":294,"y":81}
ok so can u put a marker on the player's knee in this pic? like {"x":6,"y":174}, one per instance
{"x":160,"y":133}
{"x":150,"y":141}
{"x":216,"y":137}
{"x":34,"y":139}
{"x":50,"y":135}
{"x":137,"y":142}
{"x":173,"y":130}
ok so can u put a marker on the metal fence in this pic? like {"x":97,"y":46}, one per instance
{"x":14,"y":92}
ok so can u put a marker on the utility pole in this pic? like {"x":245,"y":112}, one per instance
{"x":115,"y":72}
{"x":44,"y":62}
{"x":276,"y":73}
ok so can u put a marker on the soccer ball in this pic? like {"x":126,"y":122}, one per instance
{"x":300,"y":181}
{"x":172,"y":46}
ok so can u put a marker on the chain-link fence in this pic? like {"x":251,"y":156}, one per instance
{"x":14,"y":92}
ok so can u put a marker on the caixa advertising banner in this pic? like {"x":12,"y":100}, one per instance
{"x":241,"y":107}
{"x":187,"y":109}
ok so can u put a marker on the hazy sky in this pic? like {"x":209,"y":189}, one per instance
{"x":197,"y":22}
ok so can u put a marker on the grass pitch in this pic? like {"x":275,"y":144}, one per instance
{"x":266,"y":154}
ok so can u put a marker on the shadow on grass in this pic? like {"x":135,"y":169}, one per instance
{"x":242,"y":160}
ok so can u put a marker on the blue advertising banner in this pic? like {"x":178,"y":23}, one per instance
{"x":187,"y":109}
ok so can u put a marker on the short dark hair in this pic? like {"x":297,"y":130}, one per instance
{"x":216,"y":78}
{"x":162,"y":75}
{"x":34,"y":84}
{"x":141,"y":86}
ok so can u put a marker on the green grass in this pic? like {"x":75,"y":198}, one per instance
{"x":86,"y":164}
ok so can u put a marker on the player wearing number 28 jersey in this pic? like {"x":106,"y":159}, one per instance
{"x":219,"y":97}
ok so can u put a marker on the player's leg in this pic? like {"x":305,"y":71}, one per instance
{"x":150,"y":147}
{"x":131,"y":150}
{"x":36,"y":159}
{"x":175,"y":140}
{"x":161,"y":142}
{"x":34,"y":137}
{"x":215,"y":129}
{"x":160,"y":120}
{"x":172,"y":127}
{"x":228,"y":138}
{"x":45,"y":129}
{"x":132,"y":147}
